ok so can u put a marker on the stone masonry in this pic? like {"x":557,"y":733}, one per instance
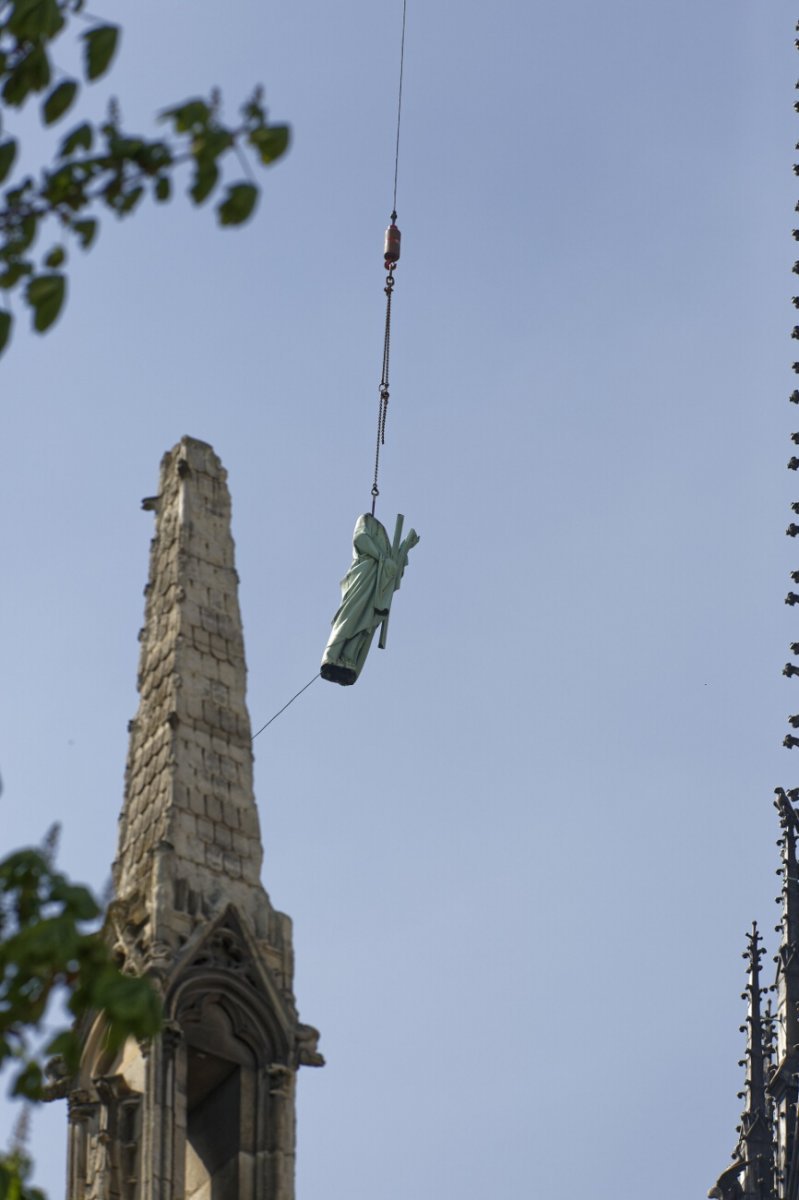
{"x":189,"y":773}
{"x":207,"y":1111}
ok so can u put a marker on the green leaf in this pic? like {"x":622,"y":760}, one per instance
{"x":14,"y":272}
{"x":50,"y":942}
{"x":163,"y":188}
{"x":15,"y":88}
{"x":25,"y":233}
{"x":64,"y":186}
{"x":59,"y":101}
{"x":253,"y":110}
{"x":206,"y":175}
{"x":31,"y":19}
{"x":153,"y":157}
{"x":38,"y":66}
{"x":129,"y":200}
{"x":15,"y":1169}
{"x":29,"y":1082}
{"x":193,"y":114}
{"x":80,"y":138}
{"x":86,"y":231}
{"x":8,"y":152}
{"x":126,"y":147}
{"x":238,"y":205}
{"x":67,"y":1045}
{"x":45,"y":294}
{"x":211,"y":143}
{"x":56,"y":257}
{"x":77,"y":900}
{"x":130,"y":1005}
{"x":62,"y":1043}
{"x":101,"y":43}
{"x":6,"y":321}
{"x":31,"y":74}
{"x":270,"y":142}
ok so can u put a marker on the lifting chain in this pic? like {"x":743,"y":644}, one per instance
{"x":391,"y":253}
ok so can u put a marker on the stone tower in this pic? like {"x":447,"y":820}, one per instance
{"x":206,"y":1110}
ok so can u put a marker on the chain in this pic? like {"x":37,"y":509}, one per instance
{"x":382,"y":411}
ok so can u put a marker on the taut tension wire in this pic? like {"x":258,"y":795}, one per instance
{"x":285,"y":706}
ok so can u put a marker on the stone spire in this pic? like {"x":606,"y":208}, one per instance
{"x":757,"y":1136}
{"x":206,"y":1110}
{"x":188,"y":788}
{"x":751,"y":1173}
{"x":783,"y":1085}
{"x":788,"y":956}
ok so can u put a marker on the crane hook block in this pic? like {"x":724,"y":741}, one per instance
{"x":391,"y":247}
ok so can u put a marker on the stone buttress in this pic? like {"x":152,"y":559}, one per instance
{"x":206,"y":1110}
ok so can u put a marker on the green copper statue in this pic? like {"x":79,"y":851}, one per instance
{"x":366,"y":593}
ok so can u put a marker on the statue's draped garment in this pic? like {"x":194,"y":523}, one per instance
{"x":366,"y":593}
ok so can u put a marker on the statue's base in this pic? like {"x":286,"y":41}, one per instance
{"x":336,"y":674}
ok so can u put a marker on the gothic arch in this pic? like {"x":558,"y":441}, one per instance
{"x":224,"y":964}
{"x":229,"y":1069}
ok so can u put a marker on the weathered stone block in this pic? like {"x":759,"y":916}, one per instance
{"x":205,"y":829}
{"x":232,"y":865}
{"x":219,"y":648}
{"x":223,"y":836}
{"x":213,"y":857}
{"x":250,"y":825}
{"x":242,"y":844}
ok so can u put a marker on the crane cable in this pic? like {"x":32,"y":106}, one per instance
{"x":391,"y":253}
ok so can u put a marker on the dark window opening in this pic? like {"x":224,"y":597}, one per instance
{"x":213,"y":1124}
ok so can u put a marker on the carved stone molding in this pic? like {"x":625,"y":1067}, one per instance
{"x":226,"y":951}
{"x":307,"y":1041}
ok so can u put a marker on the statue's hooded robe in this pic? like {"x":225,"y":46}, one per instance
{"x":366,"y":592}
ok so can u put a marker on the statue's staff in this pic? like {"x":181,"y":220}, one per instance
{"x":395,"y":546}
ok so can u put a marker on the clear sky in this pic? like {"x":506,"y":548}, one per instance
{"x":522,"y":852}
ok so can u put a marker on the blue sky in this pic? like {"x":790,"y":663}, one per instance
{"x":522,"y":853}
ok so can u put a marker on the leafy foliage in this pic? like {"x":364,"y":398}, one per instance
{"x":101,"y":165}
{"x":50,"y":949}
{"x":16,"y":1166}
{"x":15,"y":1169}
{"x":46,"y":949}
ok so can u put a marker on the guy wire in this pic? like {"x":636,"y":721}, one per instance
{"x":285,"y":706}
